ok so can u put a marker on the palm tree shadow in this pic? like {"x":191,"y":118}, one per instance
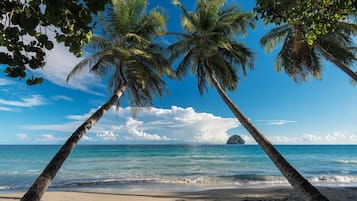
{"x":208,"y":196}
{"x":9,"y":198}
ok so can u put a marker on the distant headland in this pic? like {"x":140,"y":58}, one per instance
{"x":235,"y":139}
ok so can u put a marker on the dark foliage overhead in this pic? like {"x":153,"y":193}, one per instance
{"x":26,"y":28}
{"x":318,"y":16}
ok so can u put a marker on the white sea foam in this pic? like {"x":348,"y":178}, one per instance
{"x":5,"y":187}
{"x":237,"y":180}
{"x":346,"y":161}
{"x":337,"y":179}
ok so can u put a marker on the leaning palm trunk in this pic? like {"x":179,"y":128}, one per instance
{"x":39,"y":187}
{"x":292,"y":175}
{"x":337,"y":62}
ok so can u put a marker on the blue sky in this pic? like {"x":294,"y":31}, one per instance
{"x":316,"y":112}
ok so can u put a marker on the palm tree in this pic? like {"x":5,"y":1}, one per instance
{"x":135,"y":63}
{"x":208,"y":49}
{"x":299,"y":59}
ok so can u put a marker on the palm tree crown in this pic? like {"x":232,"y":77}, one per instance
{"x":126,"y":51}
{"x":208,"y":49}
{"x":136,"y":64}
{"x":299,"y":59}
{"x":208,"y":45}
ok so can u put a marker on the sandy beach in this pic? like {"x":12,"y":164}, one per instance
{"x":250,"y":194}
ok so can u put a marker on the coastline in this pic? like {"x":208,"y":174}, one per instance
{"x":221,"y":194}
{"x":178,"y":173}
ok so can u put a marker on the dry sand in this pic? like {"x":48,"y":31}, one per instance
{"x":251,"y":194}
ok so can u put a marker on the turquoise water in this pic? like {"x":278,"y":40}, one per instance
{"x":194,"y":166}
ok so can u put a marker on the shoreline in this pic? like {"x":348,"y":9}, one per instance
{"x":217,"y":194}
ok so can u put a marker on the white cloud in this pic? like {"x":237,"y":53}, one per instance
{"x":87,"y":138}
{"x":338,"y":137}
{"x":66,"y":127}
{"x":107,"y":136}
{"x":152,"y":124}
{"x":175,"y":125}
{"x":22,"y":136}
{"x":61,"y":97}
{"x":6,"y":109}
{"x":136,"y":132}
{"x":275,"y":122}
{"x":4,"y":82}
{"x":48,"y":138}
{"x":34,"y":100}
{"x":77,"y":117}
{"x":59,"y":64}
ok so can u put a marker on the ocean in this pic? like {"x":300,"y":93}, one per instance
{"x":176,"y":167}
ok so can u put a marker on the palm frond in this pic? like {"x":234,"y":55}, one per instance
{"x":158,"y":22}
{"x":233,"y":22}
{"x":301,"y":68}
{"x":187,"y":24}
{"x":135,"y":39}
{"x":127,"y":52}
{"x":215,"y":4}
{"x":347,"y":28}
{"x":136,"y":9}
{"x":87,"y":61}
{"x":151,"y":25}
{"x":122,"y":53}
{"x":120,"y":16}
{"x":160,"y":61}
{"x":207,"y":46}
{"x":275,"y":36}
{"x":99,"y":42}
{"x":189,"y":20}
{"x":116,"y":79}
{"x":186,"y":64}
{"x":226,"y":74}
{"x":179,"y":4}
{"x":105,"y":24}
{"x":201,"y":76}
{"x":180,"y":47}
{"x":239,"y":57}
{"x":342,"y":51}
{"x":144,"y":84}
{"x":102,"y":66}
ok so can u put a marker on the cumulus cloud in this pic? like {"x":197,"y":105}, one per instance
{"x":107,"y":136}
{"x":59,"y":64}
{"x":22,"y":136}
{"x":175,"y":124}
{"x":34,"y":100}
{"x":137,"y":132}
